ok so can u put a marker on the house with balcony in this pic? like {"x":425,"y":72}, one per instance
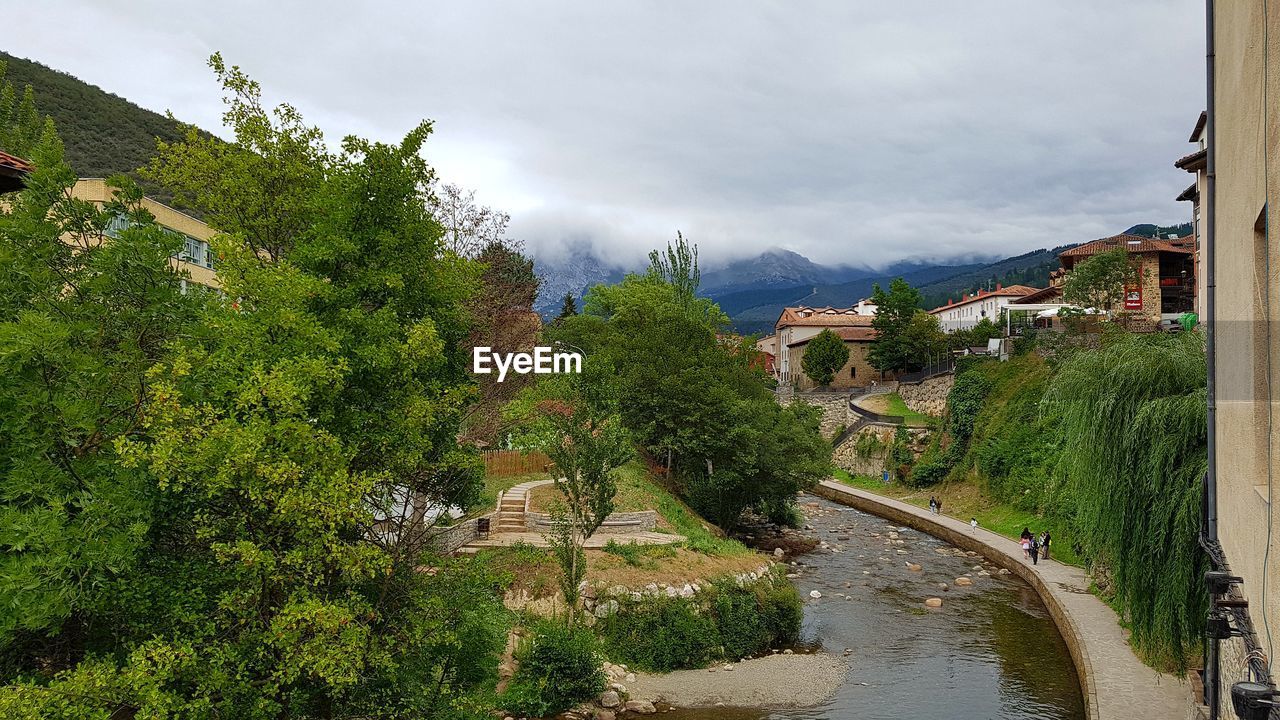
{"x":971,"y":309}
{"x":1165,"y":288}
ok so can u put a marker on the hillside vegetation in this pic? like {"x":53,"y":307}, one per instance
{"x":1104,"y":443}
{"x":102,"y":133}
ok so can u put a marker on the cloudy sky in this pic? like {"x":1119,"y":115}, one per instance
{"x":853,"y":132}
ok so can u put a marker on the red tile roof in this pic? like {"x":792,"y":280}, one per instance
{"x":1050,"y":293}
{"x":1192,"y":162}
{"x":13,"y":172}
{"x":805,"y":316}
{"x":848,"y":334}
{"x":14,"y":162}
{"x":1132,"y":243}
{"x":1000,"y":291}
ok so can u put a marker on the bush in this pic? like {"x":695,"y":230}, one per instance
{"x":726,"y":621}
{"x":559,"y":668}
{"x":660,"y":634}
{"x":637,"y":555}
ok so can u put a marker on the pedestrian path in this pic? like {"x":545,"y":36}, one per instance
{"x":1116,"y":685}
{"x":511,"y":506}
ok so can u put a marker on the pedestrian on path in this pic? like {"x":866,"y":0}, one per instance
{"x":973,"y":523}
{"x":1025,"y":539}
{"x":939,"y":507}
{"x":933,"y":505}
{"x":1035,"y":551}
{"x":1045,"y":539}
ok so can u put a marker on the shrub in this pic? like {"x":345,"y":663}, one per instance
{"x":637,"y":555}
{"x":726,"y":621}
{"x":559,"y":668}
{"x":660,"y":634}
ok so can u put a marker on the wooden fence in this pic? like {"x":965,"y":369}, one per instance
{"x":514,"y":462}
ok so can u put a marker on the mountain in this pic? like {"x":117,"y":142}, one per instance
{"x":775,"y":268}
{"x":1160,"y":231}
{"x":102,"y":133}
{"x":573,"y":274}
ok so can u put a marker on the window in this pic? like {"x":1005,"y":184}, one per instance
{"x":116,"y":225}
{"x":853,"y":371}
{"x":196,"y":251}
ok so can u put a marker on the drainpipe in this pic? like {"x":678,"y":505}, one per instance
{"x":1212,"y":680}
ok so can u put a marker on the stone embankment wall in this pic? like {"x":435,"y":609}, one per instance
{"x":834,"y":405}
{"x":603,"y":601}
{"x":927,"y":396}
{"x":616,"y":524}
{"x":864,"y":452}
{"x":445,"y":540}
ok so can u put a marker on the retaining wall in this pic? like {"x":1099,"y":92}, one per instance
{"x":619,"y":523}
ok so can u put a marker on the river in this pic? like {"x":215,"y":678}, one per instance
{"x":990,"y":652}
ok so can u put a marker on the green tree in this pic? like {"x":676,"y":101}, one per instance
{"x":22,"y":128}
{"x":824,"y":355}
{"x":568,"y":307}
{"x":923,"y":340}
{"x":689,"y":394}
{"x":291,"y":444}
{"x":586,"y":443}
{"x":894,"y":310}
{"x":1100,"y":281}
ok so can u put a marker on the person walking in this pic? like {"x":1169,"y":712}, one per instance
{"x":1035,"y":551}
{"x":933,"y":505}
{"x":939,"y":505}
{"x":973,"y":523}
{"x":1025,"y":540}
{"x":1045,"y":539}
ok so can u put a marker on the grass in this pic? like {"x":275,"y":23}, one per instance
{"x":893,"y":404}
{"x":963,"y":501}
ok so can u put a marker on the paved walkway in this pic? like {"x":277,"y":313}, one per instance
{"x":1116,"y":685}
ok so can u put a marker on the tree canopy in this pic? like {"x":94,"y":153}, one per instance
{"x":892,"y":351}
{"x":824,"y":355}
{"x":1099,"y":282}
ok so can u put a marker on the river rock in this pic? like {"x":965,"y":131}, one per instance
{"x":631,"y":677}
{"x":933,"y":602}
{"x":641,"y":707}
{"x":605,"y":715}
{"x":913,"y":567}
{"x":778,"y":552}
{"x":963,"y":581}
{"x":815,"y":594}
{"x":610,"y":699}
{"x":728,"y":668}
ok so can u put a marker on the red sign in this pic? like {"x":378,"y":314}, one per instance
{"x":1133,"y":297}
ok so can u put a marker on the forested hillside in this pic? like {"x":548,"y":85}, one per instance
{"x":102,"y":133}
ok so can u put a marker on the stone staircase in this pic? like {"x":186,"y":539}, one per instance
{"x":511,"y":507}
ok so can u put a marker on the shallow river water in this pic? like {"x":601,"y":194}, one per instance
{"x":991,"y":651}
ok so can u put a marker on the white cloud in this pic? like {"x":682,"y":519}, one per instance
{"x":850,"y":132}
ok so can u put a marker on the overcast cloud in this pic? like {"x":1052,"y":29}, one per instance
{"x":851,"y":132}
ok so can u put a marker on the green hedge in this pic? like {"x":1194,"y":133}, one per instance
{"x":722,"y":622}
{"x":559,"y":668}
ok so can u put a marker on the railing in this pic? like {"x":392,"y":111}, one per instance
{"x":514,"y":462}
{"x":940,"y":367}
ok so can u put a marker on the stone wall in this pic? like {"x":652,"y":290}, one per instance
{"x":445,"y":540}
{"x":835,"y":409}
{"x":928,"y":396}
{"x":618,"y":523}
{"x":870,"y":462}
{"x":602,"y":601}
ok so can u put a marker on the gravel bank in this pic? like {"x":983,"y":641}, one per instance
{"x":772,"y":681}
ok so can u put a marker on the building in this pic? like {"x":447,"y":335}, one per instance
{"x":1197,"y":164}
{"x":969,"y":310}
{"x":1242,"y":187}
{"x":1166,"y":283}
{"x":857,"y":372}
{"x":195,"y":258}
{"x":13,"y":172}
{"x":802,"y":322}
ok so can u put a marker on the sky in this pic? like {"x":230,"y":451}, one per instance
{"x":852,"y":132}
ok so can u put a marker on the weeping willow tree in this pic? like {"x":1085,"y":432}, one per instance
{"x":1133,"y":419}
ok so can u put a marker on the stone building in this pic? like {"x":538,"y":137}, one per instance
{"x":800,"y":323}
{"x":1166,"y":274}
{"x":857,"y":372}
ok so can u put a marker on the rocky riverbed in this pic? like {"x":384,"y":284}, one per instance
{"x":919,"y":629}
